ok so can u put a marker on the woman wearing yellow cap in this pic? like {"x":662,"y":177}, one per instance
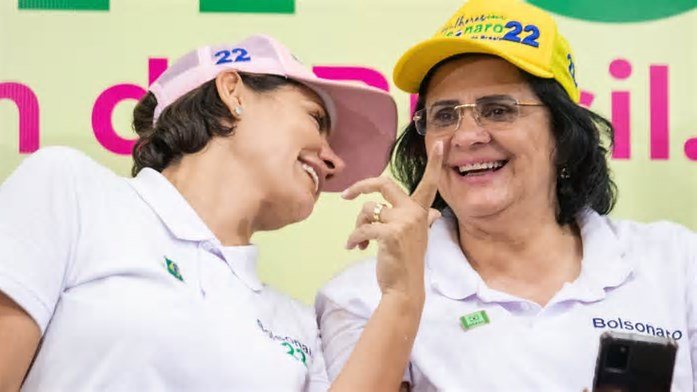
{"x":525,"y":270}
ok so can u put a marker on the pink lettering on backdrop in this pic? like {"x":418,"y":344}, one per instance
{"x":413,"y":100}
{"x":621,"y":69}
{"x":586,"y":99}
{"x":106,"y":102}
{"x":28,"y":108}
{"x":368,"y":76}
{"x":691,"y":149}
{"x":658,"y":106}
{"x":156,"y":67}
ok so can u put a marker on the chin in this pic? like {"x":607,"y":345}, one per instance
{"x":298,"y":208}
{"x":286,"y":208}
{"x":302,"y":212}
{"x":478,"y":207}
{"x":284,"y":218}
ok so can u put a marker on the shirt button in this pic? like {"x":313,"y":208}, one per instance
{"x":207,"y":246}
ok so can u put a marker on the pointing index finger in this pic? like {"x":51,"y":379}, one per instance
{"x":425,"y":192}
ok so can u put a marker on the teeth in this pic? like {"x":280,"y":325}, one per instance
{"x":312,"y":174}
{"x":480,"y":166}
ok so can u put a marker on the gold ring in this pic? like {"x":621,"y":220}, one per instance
{"x":376,"y":212}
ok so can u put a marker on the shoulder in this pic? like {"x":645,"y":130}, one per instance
{"x":660,"y":248}
{"x":55,"y":176}
{"x":62,"y":183}
{"x":60,"y":164}
{"x":355,"y":290}
{"x":55,"y":156}
{"x":661,"y":235}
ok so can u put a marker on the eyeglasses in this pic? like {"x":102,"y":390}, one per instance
{"x":493,"y":112}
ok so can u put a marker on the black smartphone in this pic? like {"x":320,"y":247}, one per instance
{"x":630,"y":362}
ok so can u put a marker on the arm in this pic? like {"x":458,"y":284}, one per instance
{"x":378,"y":360}
{"x":19,"y":338}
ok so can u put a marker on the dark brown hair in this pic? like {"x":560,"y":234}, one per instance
{"x":186,"y":126}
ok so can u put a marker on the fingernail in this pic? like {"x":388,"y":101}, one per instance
{"x":344,"y":193}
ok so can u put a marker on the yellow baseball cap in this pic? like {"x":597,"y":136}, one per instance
{"x":520,"y":33}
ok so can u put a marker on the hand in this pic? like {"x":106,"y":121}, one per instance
{"x":402,"y":230}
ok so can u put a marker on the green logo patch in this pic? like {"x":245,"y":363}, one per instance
{"x":475,"y":319}
{"x":173,"y":269}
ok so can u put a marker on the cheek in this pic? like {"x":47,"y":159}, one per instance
{"x":543,"y":153}
{"x":534,"y":145}
{"x":268,"y":140}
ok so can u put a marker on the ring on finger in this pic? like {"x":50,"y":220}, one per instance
{"x":377,"y":210}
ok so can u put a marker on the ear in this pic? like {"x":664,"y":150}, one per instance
{"x":231,"y":91}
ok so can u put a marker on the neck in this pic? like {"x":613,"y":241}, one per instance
{"x":522,"y":251}
{"x":229,"y":210}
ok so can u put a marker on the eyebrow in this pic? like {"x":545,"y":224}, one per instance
{"x":455,"y":102}
{"x":497,"y":96}
{"x":445,"y":102}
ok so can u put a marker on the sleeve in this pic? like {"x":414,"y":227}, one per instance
{"x":38,"y":229}
{"x":340,"y":331}
{"x":343,"y":309}
{"x":318,"y":380}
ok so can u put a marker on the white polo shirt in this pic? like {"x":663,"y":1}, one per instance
{"x":134,"y":293}
{"x":639,"y":278}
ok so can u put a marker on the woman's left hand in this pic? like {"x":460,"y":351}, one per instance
{"x":401,"y":229}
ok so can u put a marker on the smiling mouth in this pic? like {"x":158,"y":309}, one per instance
{"x":313,"y":174}
{"x":480,"y":168}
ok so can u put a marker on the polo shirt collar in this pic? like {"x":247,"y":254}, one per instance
{"x":603,"y":266}
{"x":604,"y":263}
{"x":183,"y":222}
{"x":448,"y":269}
{"x":243,"y":262}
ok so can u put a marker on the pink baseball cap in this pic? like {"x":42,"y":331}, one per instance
{"x":363,"y":118}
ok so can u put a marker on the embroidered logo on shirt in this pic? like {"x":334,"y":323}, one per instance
{"x":292,"y":347}
{"x":173,"y":269}
{"x":475,"y":319}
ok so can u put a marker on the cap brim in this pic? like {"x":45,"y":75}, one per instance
{"x":364,"y":129}
{"x":413,"y":66}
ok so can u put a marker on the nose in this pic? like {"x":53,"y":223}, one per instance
{"x":332,"y":162}
{"x":469,"y":132}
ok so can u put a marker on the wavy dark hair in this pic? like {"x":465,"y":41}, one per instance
{"x":578,"y":134}
{"x":186,"y":126}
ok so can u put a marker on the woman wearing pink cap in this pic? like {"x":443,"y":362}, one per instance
{"x":149,"y":283}
{"x":525,"y":271}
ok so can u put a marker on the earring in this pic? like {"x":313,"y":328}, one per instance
{"x":564,"y":174}
{"x":238,"y":111}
